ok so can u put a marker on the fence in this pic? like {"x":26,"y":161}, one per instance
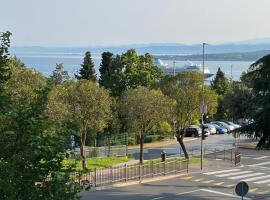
{"x":123,"y":173}
{"x":90,"y":152}
{"x":232,"y":155}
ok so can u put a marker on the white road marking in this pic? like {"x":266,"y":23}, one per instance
{"x":235,"y":173}
{"x":157,"y":198}
{"x":257,"y":178}
{"x":259,"y":164}
{"x":263,"y":157}
{"x":245,"y":176}
{"x":188,"y":192}
{"x":220,"y":172}
{"x":264,"y":181}
{"x":224,"y":194}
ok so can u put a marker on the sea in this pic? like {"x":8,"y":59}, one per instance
{"x":45,"y":63}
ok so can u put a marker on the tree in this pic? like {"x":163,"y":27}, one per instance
{"x":4,"y":73}
{"x":239,"y":101}
{"x":143,"y":109}
{"x":82,"y":104}
{"x":185,"y":89}
{"x":87,"y":70}
{"x":105,"y":69}
{"x":23,"y":84}
{"x":258,"y":78}
{"x":130,"y":70}
{"x":59,"y":75}
{"x":221,"y":85}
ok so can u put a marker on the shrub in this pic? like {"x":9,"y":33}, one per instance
{"x":151,"y":138}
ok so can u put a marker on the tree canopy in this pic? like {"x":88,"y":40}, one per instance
{"x":87,"y":70}
{"x":143,"y":109}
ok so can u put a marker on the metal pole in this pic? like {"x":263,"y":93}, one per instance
{"x":202,"y":112}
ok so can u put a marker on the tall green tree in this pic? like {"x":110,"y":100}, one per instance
{"x":87,"y":70}
{"x":4,"y":73}
{"x":130,"y":70}
{"x":59,"y":75}
{"x":143,"y":109}
{"x":239,"y":101}
{"x":186,"y":89}
{"x":221,"y":85}
{"x":105,"y":70}
{"x":83,"y":104}
{"x":258,"y":78}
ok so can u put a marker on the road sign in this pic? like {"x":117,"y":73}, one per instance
{"x":203,"y":109}
{"x":241,"y":189}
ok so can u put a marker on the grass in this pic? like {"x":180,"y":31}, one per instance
{"x":97,"y":163}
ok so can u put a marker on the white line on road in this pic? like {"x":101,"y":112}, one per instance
{"x":232,"y":174}
{"x":245,"y":176}
{"x":264,"y":181}
{"x":220,"y":172}
{"x":263,"y":157}
{"x":257,"y":178}
{"x":263,"y":163}
{"x":188,"y":192}
{"x":157,"y":198}
{"x":222,"y":193}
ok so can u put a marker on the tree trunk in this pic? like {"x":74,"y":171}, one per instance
{"x":141,"y":147}
{"x":83,"y":140}
{"x":180,"y":141}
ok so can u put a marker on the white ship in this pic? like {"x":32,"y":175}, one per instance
{"x":188,"y":67}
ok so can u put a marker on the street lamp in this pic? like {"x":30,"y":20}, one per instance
{"x":203,"y":111}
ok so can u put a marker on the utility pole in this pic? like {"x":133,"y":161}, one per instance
{"x":203,"y":110}
{"x":173,"y":67}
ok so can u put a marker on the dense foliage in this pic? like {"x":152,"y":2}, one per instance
{"x":87,"y":70}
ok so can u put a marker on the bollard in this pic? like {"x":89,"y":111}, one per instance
{"x":163,"y":156}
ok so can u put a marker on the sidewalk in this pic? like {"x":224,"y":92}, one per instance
{"x":164,"y":143}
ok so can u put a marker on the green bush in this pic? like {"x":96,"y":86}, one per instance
{"x":151,"y":138}
{"x":131,"y":141}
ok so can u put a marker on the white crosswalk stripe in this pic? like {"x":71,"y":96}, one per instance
{"x":235,"y":173}
{"x":245,"y":176}
{"x":220,"y":172}
{"x":264,"y":181}
{"x":259,"y":164}
{"x":256,"y":178}
{"x":238,"y":174}
{"x":263,"y":157}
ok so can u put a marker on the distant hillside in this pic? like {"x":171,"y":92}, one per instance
{"x":242,"y":56}
{"x":156,"y":49}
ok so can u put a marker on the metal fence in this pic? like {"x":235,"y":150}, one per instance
{"x":123,"y":173}
{"x":90,"y":152}
{"x":232,"y":155}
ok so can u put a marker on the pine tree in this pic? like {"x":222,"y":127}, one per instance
{"x":104,"y":79}
{"x":87,"y":70}
{"x":220,"y":84}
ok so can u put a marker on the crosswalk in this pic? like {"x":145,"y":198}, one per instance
{"x":242,"y":175}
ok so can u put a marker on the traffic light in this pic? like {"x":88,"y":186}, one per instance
{"x":204,"y":132}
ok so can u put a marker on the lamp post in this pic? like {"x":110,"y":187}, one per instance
{"x":203,"y":111}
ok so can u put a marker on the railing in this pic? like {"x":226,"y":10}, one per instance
{"x":123,"y":173}
{"x":232,"y":155}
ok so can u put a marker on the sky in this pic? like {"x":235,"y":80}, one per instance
{"x":122,"y":22}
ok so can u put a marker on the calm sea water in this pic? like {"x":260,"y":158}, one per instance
{"x":46,"y":62}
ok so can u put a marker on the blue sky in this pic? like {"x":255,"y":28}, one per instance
{"x":118,"y":22}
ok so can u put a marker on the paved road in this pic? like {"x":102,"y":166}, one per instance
{"x":193,"y":147}
{"x":211,"y":184}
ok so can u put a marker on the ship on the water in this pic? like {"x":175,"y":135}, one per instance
{"x":188,"y":67}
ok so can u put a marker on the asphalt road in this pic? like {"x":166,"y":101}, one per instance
{"x":193,"y":147}
{"x":212,"y":184}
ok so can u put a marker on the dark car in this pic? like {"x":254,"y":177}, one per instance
{"x":193,"y":131}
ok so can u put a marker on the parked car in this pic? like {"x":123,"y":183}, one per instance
{"x":193,"y":131}
{"x":224,"y":125}
{"x":245,"y":122}
{"x":232,"y":124}
{"x":211,"y":128}
{"x":220,"y":130}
